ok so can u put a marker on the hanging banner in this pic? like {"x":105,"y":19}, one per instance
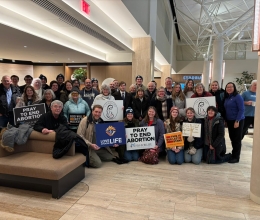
{"x":112,"y":109}
{"x":200,"y":105}
{"x":28,"y":114}
{"x":108,"y":134}
{"x":140,"y":138}
{"x":174,"y":139}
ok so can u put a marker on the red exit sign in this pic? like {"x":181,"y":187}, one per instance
{"x":85,"y":7}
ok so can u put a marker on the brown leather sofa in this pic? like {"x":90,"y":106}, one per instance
{"x":31,"y":166}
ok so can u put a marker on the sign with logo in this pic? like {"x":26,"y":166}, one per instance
{"x":191,"y":129}
{"x":108,"y":134}
{"x":140,"y":138}
{"x":74,"y":119}
{"x":200,"y":105}
{"x":112,"y":109}
{"x":28,"y":114}
{"x":174,"y":139}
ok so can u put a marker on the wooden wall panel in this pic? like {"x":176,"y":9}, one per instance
{"x":16,"y":69}
{"x":49,"y":71}
{"x":121,"y":73}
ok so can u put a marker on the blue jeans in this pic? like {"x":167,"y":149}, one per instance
{"x":131,"y":155}
{"x":196,"y":158}
{"x":175,"y":157}
{"x":5,"y":119}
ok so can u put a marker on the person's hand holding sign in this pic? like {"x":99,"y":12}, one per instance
{"x":94,"y":147}
{"x":176,"y":150}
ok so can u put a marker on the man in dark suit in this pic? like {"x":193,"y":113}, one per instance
{"x":122,"y":94}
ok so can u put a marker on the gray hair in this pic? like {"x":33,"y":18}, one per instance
{"x":254,"y":81}
{"x":57,"y":102}
{"x":133,"y":85}
{"x":37,"y":79}
{"x":160,"y":88}
{"x":49,"y":91}
{"x":105,"y":86}
{"x":199,"y":84}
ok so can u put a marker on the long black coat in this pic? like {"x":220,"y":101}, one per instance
{"x":217,"y":136}
{"x":138,"y":106}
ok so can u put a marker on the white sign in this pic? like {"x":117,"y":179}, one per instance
{"x":200,"y":105}
{"x":191,"y":129}
{"x":112,"y":109}
{"x":140,"y":138}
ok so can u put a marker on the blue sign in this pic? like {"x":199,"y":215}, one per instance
{"x":108,"y":134}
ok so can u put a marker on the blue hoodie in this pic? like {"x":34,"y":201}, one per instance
{"x":234,"y":106}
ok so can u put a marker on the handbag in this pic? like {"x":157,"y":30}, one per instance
{"x":150,"y":156}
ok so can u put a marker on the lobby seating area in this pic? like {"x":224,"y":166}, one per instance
{"x":138,"y":191}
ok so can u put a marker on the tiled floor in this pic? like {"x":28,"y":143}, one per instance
{"x":139,"y":191}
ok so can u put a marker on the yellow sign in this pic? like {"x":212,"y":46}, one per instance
{"x":174,"y":139}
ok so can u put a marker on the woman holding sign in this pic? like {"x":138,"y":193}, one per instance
{"x":173,"y":124}
{"x":75,"y":109}
{"x":29,"y":97}
{"x":150,"y":156}
{"x":193,"y":146}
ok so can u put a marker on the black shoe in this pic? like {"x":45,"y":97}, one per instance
{"x":234,"y":160}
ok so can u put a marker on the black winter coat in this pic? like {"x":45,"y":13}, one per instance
{"x":217,"y":135}
{"x":3,"y":100}
{"x":48,"y":121}
{"x":138,"y":106}
{"x":158,"y":105}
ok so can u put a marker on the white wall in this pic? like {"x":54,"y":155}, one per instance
{"x":234,"y":68}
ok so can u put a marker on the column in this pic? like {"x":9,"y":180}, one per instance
{"x":205,"y":74}
{"x":143,"y":59}
{"x":218,"y":48}
{"x":255,"y":167}
{"x":166,"y":72}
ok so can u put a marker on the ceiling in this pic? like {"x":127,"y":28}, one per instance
{"x":202,"y":21}
{"x":18,"y":45}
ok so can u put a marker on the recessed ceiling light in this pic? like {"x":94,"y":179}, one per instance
{"x":72,"y":61}
{"x":39,"y":61}
{"x":1,"y":59}
{"x":56,"y":61}
{"x":24,"y":46}
{"x":13,"y":61}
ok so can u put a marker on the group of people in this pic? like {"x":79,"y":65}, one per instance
{"x":164,"y":108}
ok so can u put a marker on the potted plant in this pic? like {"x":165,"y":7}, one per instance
{"x":80,"y":74}
{"x":244,"y":81}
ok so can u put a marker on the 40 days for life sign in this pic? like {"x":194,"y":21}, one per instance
{"x":140,"y":138}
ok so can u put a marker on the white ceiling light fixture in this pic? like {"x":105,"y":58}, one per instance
{"x":24,"y":46}
{"x":13,"y":61}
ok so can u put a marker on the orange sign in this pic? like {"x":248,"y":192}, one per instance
{"x":174,"y":139}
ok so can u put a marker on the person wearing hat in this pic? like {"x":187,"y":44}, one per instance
{"x":28,"y":81}
{"x":95,"y":85}
{"x":130,"y":122}
{"x":173,"y":124}
{"x":75,"y":106}
{"x":60,"y":80}
{"x":139,"y":82}
{"x":44,"y":82}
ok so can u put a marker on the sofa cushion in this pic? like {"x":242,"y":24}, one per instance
{"x":39,"y":165}
{"x":35,"y":135}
